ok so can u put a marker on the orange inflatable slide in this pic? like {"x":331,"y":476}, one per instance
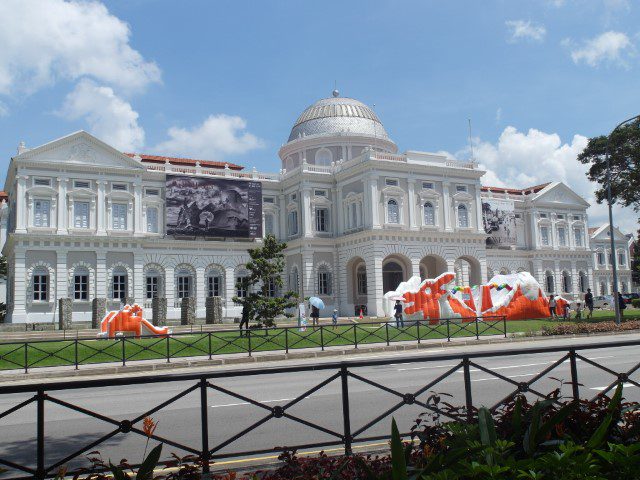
{"x":129,"y":320}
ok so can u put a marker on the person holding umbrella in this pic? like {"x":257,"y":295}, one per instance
{"x":316,"y":304}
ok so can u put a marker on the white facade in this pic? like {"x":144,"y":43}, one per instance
{"x":602,"y":260}
{"x":87,"y":221}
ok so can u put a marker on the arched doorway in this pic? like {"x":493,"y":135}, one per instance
{"x":431,"y":266}
{"x":395,"y":270}
{"x":357,"y":281}
{"x":468,"y":271}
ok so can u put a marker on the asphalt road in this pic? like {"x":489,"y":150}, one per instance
{"x":68,"y":431}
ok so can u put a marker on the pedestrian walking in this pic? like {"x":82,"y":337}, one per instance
{"x":621,"y":304}
{"x":334,"y":318}
{"x":398,"y":314}
{"x":588,"y":302}
{"x":244,"y":319}
{"x":578,"y":311}
{"x":567,"y":311}
{"x":552,"y":307}
{"x":315,"y":315}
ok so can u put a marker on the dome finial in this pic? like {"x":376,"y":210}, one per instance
{"x":335,"y":93}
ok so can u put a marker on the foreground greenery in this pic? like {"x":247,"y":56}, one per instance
{"x":65,"y":352}
{"x":552,"y":439}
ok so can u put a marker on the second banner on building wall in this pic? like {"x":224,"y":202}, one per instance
{"x":499,"y":222}
{"x":213,"y":207}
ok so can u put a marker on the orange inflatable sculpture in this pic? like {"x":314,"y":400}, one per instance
{"x":129,"y":320}
{"x":516,"y":296}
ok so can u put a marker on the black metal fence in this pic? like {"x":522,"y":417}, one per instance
{"x":211,"y":442}
{"x":26,"y":355}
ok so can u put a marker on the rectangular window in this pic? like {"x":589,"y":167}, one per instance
{"x":294,"y":197}
{"x":560,"y":217}
{"x":322,"y":220}
{"x":562,"y":237}
{"x":152,"y":192}
{"x":120,"y":187}
{"x":214,"y":285}
{"x":152,"y":287}
{"x":241,"y":288}
{"x":81,"y":287}
{"x":81,"y":214}
{"x":269,"y":200}
{"x":576,"y":217}
{"x":269,"y":225}
{"x":577,"y":233}
{"x":324,"y":283}
{"x":42,"y":182}
{"x":119,"y":287}
{"x":391,"y":182}
{"x":427,"y":185}
{"x":152,"y":219}
{"x":518,"y":216}
{"x":621,"y":259}
{"x":461,"y":188}
{"x":41,"y":213}
{"x":544,"y":235}
{"x":119,"y":216}
{"x":293,"y":222}
{"x":320,"y":193}
{"x":272,"y":288}
{"x":81,"y":184}
{"x":184,"y":286}
{"x":362,"y":283}
{"x":543,"y":215}
{"x":40,"y":288}
{"x":600,"y":258}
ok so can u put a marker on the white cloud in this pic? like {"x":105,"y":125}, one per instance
{"x":610,"y":47}
{"x":520,"y":160}
{"x":4,"y":110}
{"x":217,"y":137}
{"x":46,"y":40}
{"x":110,"y":118}
{"x":525,"y":30}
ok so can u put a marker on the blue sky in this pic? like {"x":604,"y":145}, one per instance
{"x":227,"y":79}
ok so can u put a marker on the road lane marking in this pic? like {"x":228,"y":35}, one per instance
{"x":428,"y":367}
{"x":247,"y":403}
{"x":510,"y":376}
{"x":601,"y":389}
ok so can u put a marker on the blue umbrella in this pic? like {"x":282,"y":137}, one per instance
{"x":316,"y":302}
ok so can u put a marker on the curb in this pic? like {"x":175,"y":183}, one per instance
{"x":275,"y":357}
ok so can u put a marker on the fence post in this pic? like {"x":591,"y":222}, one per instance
{"x":477,"y":330}
{"x":26,"y":357}
{"x":345,"y":410}
{"x":286,"y":339}
{"x":209,"y":341}
{"x":249,"y":340}
{"x":418,"y":331}
{"x":448,"y":331}
{"x":168,"y":351}
{"x":204,"y":421}
{"x":355,"y":336}
{"x":386,"y":327}
{"x":40,"y":473}
{"x":76,"y":352}
{"x":322,"y":338}
{"x":124,"y":353}
{"x":504,"y":321}
{"x":467,"y":389}
{"x":574,"y":375}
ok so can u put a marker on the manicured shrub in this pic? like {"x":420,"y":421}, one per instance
{"x":589,"y":327}
{"x":635,"y":303}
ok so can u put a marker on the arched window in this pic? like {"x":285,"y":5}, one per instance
{"x":40,"y":284}
{"x":603,"y":289}
{"x":600,"y":256}
{"x":272,"y":287}
{"x":490,"y":274}
{"x":215,"y":282}
{"x":294,"y":282}
{"x":242,"y":287}
{"x":81,"y":284}
{"x":623,"y":287}
{"x":361,"y":275}
{"x":324,"y":281}
{"x":393,"y":211}
{"x":504,"y":271}
{"x":582,"y":277}
{"x":550,"y":283}
{"x":184,"y":283}
{"x":463,"y":216}
{"x":292,"y":222}
{"x":622,"y":259}
{"x":269,"y":224}
{"x":566,"y":282}
{"x":429,"y":214}
{"x":324,"y":157}
{"x":119,"y":284}
{"x":153,"y":280}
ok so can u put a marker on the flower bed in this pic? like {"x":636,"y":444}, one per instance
{"x":589,"y":327}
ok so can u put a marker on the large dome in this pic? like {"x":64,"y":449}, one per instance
{"x":338,"y":115}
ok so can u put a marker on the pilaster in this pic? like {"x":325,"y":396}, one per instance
{"x":64,"y":207}
{"x":446,"y":206}
{"x":307,"y":214}
{"x":229,"y":287}
{"x":21,"y":214}
{"x":62,"y":278}
{"x":138,"y":278}
{"x":101,"y":274}
{"x":101,"y":209}
{"x":412,"y":204}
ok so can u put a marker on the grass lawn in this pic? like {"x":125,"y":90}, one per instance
{"x":65,"y":352}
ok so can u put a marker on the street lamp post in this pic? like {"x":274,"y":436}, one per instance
{"x":614,"y":257}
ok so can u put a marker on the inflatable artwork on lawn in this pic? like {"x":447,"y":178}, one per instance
{"x":129,"y":320}
{"x":516,"y":296}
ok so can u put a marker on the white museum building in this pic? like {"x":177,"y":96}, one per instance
{"x":82,"y":220}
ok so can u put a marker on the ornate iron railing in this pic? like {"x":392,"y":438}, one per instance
{"x":211,"y":442}
{"x":75,"y":352}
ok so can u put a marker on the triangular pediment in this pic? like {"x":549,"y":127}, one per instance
{"x":557,"y":193}
{"x":602,"y":234}
{"x":79,"y":148}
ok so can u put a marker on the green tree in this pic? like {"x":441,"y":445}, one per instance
{"x":265,"y":276}
{"x":635,"y":261}
{"x":3,"y":265}
{"x":624,"y":157}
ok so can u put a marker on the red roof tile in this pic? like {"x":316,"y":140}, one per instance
{"x":184,"y":161}
{"x":4,"y":196}
{"x":516,"y":191}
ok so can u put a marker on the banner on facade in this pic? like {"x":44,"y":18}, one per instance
{"x":213,"y":207}
{"x":302,"y":317}
{"x":499,"y":221}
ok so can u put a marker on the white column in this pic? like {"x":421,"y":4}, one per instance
{"x":308,"y":285}
{"x":374,"y":287}
{"x":339,"y":211}
{"x":169,"y":287}
{"x":62,"y":279}
{"x":282,"y":230}
{"x":101,"y":209}
{"x":479,"y":221}
{"x":200,"y":291}
{"x":374,"y":203}
{"x":307,"y":213}
{"x":138,"y":278}
{"x":412,"y":205}
{"x":534,"y":231}
{"x":415,"y":267}
{"x":229,"y":288}
{"x":102,"y":282}
{"x":446,"y":206}
{"x":20,"y":286}
{"x":21,"y":214}
{"x":64,"y":207}
{"x":137,"y":206}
